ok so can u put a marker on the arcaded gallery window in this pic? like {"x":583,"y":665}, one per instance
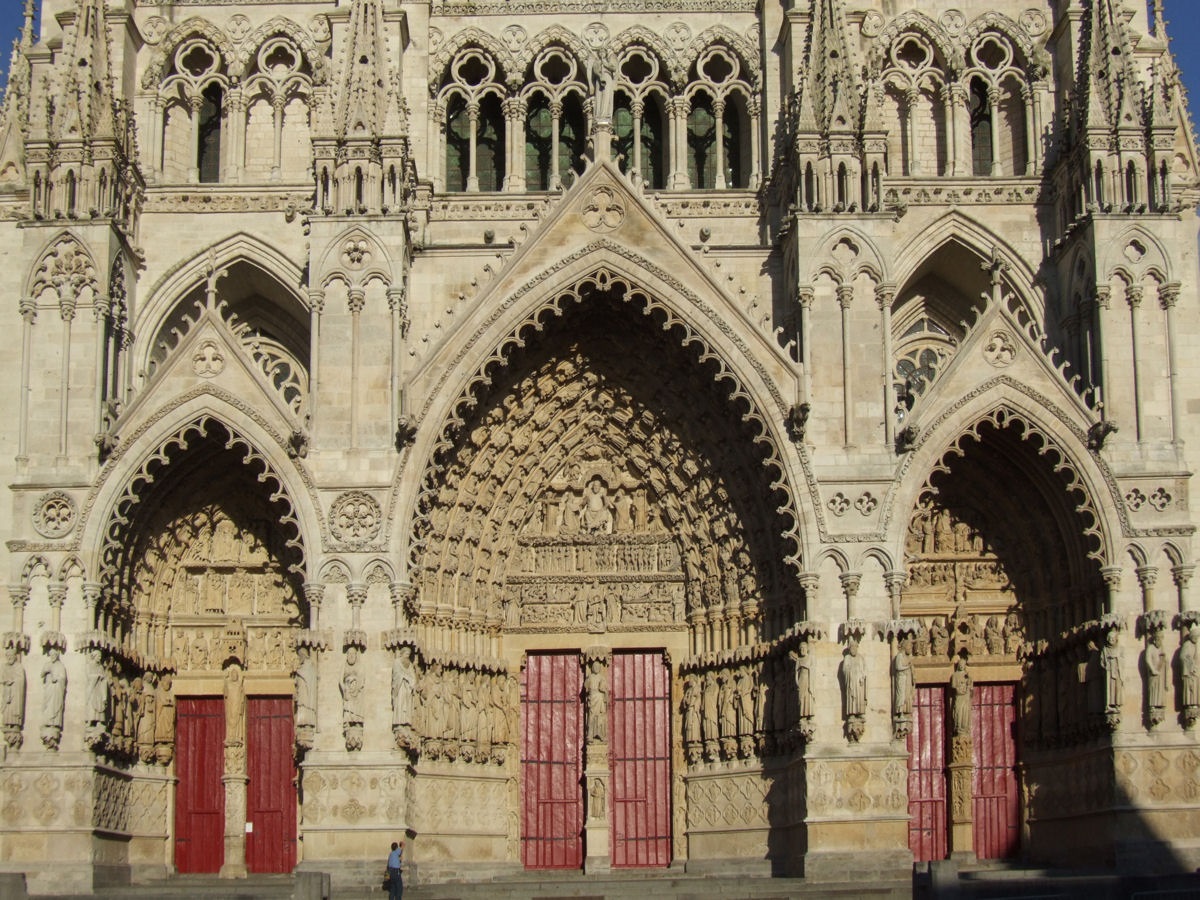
{"x":208,"y":152}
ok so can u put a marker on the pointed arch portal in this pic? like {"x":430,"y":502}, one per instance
{"x":201,"y":582}
{"x":604,"y":488}
{"x":992,"y":574}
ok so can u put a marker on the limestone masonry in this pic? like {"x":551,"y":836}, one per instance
{"x":751,"y":437}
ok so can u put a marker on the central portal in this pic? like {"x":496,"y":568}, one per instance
{"x":621,"y":797}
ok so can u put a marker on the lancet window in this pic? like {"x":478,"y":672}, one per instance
{"x":1000,"y":107}
{"x":973,"y":117}
{"x":718,"y":124}
{"x":917,"y":101}
{"x":555,"y":124}
{"x":277,"y":90}
{"x":640,"y":117}
{"x":192,"y":104}
{"x":472,"y":102}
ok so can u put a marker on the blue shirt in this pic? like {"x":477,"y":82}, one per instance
{"x":394,"y":858}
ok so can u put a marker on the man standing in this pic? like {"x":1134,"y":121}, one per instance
{"x":394,"y":864}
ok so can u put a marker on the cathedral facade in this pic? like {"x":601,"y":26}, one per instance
{"x":587,"y":434}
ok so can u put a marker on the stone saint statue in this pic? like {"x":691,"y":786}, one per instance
{"x":306,"y":692}
{"x":854,"y":679}
{"x":352,"y":690}
{"x":1189,"y":673}
{"x":902,"y":678}
{"x":1110,"y":660}
{"x":596,"y":685}
{"x":1156,"y":677}
{"x":54,"y":696}
{"x":602,"y":75}
{"x":802,"y":671}
{"x":12,"y":697}
{"x":404,"y":685}
{"x":960,"y":691}
{"x":691,"y":710}
{"x":146,"y":719}
{"x":164,"y":720}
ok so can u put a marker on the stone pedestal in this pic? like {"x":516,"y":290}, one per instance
{"x":596,"y":829}
{"x":962,"y":829}
{"x":235,"y":826}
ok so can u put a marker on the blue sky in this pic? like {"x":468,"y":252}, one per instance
{"x":1183,"y":18}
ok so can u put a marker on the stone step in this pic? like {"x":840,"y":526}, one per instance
{"x":681,"y":888}
{"x":528,"y":886}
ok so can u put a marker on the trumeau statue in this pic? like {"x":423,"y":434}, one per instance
{"x":960,"y":702}
{"x":595,"y":685}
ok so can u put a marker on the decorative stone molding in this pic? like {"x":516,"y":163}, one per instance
{"x":355,"y":519}
{"x":55,"y":514}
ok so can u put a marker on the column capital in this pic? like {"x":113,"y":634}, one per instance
{"x":885,"y":295}
{"x":1147,"y":576}
{"x":1168,"y":294}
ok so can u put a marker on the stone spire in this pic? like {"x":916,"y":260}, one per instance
{"x":1112,"y":93}
{"x":80,"y":147}
{"x":829,"y":118}
{"x":833,"y":78}
{"x":84,"y":108}
{"x":14,"y":113}
{"x":360,"y":138}
{"x":363,"y":101}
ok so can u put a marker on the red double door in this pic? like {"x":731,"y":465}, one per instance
{"x":200,"y":793}
{"x":994,"y":798}
{"x":552,"y":745}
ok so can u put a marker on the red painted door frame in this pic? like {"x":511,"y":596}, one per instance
{"x":552,"y":762}
{"x":640,"y":760}
{"x":271,"y":791}
{"x":200,"y":793}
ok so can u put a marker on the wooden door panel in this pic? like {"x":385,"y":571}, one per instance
{"x":552,"y":762}
{"x":199,"y":794}
{"x":927,"y":775}
{"x":995,"y":801}
{"x":640,"y":760}
{"x":271,"y":790}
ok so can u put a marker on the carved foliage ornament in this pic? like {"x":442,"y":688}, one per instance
{"x":355,"y":518}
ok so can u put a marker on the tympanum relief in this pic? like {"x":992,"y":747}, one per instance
{"x":595,"y":555}
{"x":588,"y":493}
{"x":959,"y":594}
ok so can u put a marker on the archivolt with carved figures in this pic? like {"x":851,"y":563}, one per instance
{"x":605,"y":482}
